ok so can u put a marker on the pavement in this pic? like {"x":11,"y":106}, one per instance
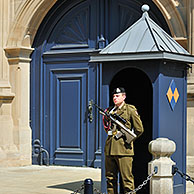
{"x":46,"y":180}
{"x":36,"y":179}
{"x":189,"y":188}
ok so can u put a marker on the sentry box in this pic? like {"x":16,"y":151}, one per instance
{"x":152,"y":67}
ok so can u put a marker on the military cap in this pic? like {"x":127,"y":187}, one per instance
{"x":118,"y":90}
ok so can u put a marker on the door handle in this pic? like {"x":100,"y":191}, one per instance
{"x":90,"y":111}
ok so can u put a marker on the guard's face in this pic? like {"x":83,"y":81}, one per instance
{"x":118,"y":98}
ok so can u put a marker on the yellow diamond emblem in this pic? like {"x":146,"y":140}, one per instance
{"x":172,"y":94}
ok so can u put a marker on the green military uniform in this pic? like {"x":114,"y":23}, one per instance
{"x":119,"y":154}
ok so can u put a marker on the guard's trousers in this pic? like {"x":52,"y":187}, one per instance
{"x":122,"y":164}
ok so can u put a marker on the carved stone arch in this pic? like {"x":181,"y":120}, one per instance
{"x":31,"y":14}
{"x":27,"y":21}
{"x":174,"y":20}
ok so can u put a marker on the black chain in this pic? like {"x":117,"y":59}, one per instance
{"x":97,"y":191}
{"x":145,"y":182}
{"x":131,"y":192}
{"x":79,"y":190}
{"x":183,"y":175}
{"x":174,"y":171}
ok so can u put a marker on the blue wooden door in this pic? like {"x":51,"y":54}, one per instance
{"x":63,"y":81}
{"x":65,"y":107}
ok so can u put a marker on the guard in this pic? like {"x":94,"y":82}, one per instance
{"x":118,"y":153}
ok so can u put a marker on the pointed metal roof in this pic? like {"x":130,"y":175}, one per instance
{"x":145,"y":40}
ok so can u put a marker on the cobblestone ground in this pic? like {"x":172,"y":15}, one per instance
{"x":46,"y":180}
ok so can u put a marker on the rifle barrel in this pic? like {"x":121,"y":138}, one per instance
{"x":99,"y":107}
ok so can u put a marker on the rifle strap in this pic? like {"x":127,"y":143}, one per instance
{"x":106,"y":123}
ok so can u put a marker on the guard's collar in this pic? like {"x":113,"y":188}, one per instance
{"x":123,"y":103}
{"x":118,"y":107}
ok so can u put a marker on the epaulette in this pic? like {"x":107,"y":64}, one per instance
{"x":132,"y":106}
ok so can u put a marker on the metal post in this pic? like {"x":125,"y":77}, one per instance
{"x":88,"y":186}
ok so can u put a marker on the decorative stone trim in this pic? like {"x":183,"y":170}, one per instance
{"x":15,"y":56}
{"x":172,"y":16}
{"x":6,"y":97}
{"x":18,"y":54}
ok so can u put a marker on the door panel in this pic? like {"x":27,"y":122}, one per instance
{"x":70,"y":110}
{"x":66,"y":109}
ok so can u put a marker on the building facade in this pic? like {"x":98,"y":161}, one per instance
{"x":41,"y":37}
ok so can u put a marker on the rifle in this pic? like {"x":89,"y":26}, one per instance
{"x":130,"y":135}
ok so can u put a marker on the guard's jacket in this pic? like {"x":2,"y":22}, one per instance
{"x":118,"y":147}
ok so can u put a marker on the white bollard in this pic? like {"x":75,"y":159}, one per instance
{"x":162,"y":181}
